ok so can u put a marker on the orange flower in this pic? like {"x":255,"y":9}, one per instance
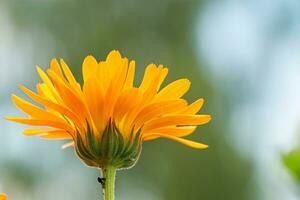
{"x":108,"y":118}
{"x":3,"y":197}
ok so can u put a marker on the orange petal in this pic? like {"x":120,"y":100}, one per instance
{"x":41,"y":122}
{"x":125,"y":103}
{"x":54,"y":65}
{"x":116,"y":84}
{"x":71,"y":99}
{"x":61,"y":109}
{"x":94,"y":96}
{"x":33,"y":110}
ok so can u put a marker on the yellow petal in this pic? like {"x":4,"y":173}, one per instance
{"x":130,"y":75}
{"x":35,"y":131}
{"x":70,"y":76}
{"x":158,"y":109}
{"x":114,"y":62}
{"x":89,"y":68}
{"x":38,"y":131}
{"x":180,"y":131}
{"x":148,"y":76}
{"x":193,"y":108}
{"x":43,"y":76}
{"x":48,"y":83}
{"x":153,"y":87}
{"x":177,"y":120}
{"x":103,"y":75}
{"x":113,"y":56}
{"x":175,"y":89}
{"x":163,"y":75}
{"x":56,"y":68}
{"x":44,"y":91}
{"x":188,"y":143}
{"x":62,"y":135}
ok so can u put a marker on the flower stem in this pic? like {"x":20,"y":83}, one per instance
{"x":109,"y":173}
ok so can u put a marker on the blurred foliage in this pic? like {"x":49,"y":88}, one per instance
{"x":148,"y":31}
{"x":292,"y":162}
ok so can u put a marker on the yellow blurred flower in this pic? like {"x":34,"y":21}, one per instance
{"x":108,"y":118}
{"x":3,"y":197}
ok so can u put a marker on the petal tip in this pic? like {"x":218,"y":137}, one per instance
{"x":114,"y":54}
{"x":53,"y":62}
{"x":204,"y":146}
{"x":89,"y":59}
{"x":209,"y":118}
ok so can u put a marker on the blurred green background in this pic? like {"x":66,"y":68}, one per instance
{"x":242,"y":57}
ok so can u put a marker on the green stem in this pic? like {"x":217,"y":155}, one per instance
{"x":109,"y":173}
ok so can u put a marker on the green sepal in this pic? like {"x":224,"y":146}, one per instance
{"x":110,"y":150}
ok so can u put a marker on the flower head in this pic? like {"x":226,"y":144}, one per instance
{"x":3,"y":196}
{"x":108,"y":118}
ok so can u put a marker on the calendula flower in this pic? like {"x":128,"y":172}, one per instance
{"x":108,"y":118}
{"x":3,"y":196}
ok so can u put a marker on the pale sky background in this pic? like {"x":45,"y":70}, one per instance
{"x":252,"y":49}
